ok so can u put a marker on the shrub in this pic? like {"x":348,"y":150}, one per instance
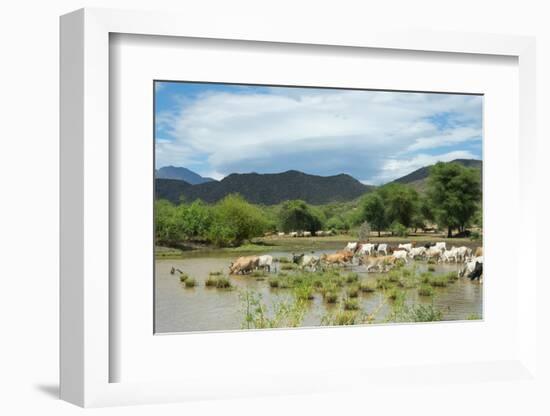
{"x":363,"y":233}
{"x":399,"y":229}
{"x":190,"y":282}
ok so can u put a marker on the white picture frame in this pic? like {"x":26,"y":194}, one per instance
{"x":87,"y":355}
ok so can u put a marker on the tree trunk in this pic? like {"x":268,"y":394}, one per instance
{"x":378,"y":233}
{"x":449,"y":232}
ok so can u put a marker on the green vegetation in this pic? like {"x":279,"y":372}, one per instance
{"x":283,"y":313}
{"x":184,"y":277}
{"x":473,"y":317}
{"x":454,"y":193}
{"x":350,"y":304}
{"x":297,"y":215}
{"x":425,"y":290}
{"x":367,"y":287}
{"x":190,"y":282}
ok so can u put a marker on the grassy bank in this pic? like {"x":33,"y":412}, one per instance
{"x":289,"y":244}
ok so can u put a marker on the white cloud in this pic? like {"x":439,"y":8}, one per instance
{"x":396,"y":168}
{"x":317,"y":131}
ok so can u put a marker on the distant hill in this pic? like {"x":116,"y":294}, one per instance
{"x":182,"y":174}
{"x":170,"y":189}
{"x":418,"y":178}
{"x":268,"y":189}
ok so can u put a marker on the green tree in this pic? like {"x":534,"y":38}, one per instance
{"x":401,"y":202}
{"x":234,"y":220}
{"x":372,"y":210}
{"x":193,"y":219}
{"x":166,"y":228}
{"x":455,"y":193}
{"x":297,"y":215}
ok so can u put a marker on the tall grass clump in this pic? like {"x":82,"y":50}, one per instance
{"x":367,"y":287}
{"x":223,"y":282}
{"x":274,"y":282}
{"x":352,"y":278}
{"x":330,"y":297}
{"x":216,"y":273}
{"x":439,"y":281}
{"x":184,"y":277}
{"x":425,"y":290}
{"x":190,"y":282}
{"x":353,"y":291}
{"x":431,"y":268}
{"x":383,"y":283}
{"x":396,"y":294}
{"x":350,"y":304}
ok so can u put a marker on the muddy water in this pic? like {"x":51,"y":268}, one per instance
{"x":180,"y":309}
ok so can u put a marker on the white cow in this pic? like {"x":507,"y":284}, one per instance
{"x":309,"y":261}
{"x":265,"y":262}
{"x":293,"y":234}
{"x":382,"y":248}
{"x":441,"y":246}
{"x":307,"y":234}
{"x":417,"y":252}
{"x":400,"y":254}
{"x":351,"y":247}
{"x":463,"y":253}
{"x":470,"y":266}
{"x":407,"y":247}
{"x":319,"y":233}
{"x":281,"y":234}
{"x":367,"y":249}
{"x":433,"y":253}
{"x":450,"y":255}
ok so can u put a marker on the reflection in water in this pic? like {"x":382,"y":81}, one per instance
{"x":178,"y":309}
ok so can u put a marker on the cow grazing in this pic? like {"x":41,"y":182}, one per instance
{"x":407,"y":247}
{"x":380,"y":263}
{"x":400,"y":255}
{"x":417,"y":252}
{"x":351,"y":246}
{"x":306,"y":234}
{"x":441,"y":246}
{"x":265,"y":262}
{"x":366,"y":249}
{"x":293,"y":234}
{"x":477,"y":272}
{"x":340,"y":257}
{"x":382,"y":248}
{"x":244,"y":265}
{"x":433,"y":254}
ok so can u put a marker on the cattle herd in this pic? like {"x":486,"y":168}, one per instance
{"x":380,"y":257}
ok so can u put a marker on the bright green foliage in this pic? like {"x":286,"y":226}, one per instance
{"x":234,"y":221}
{"x":401,"y":203}
{"x":454,"y":192}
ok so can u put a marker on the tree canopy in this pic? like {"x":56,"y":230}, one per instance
{"x":297,"y":215}
{"x":454,"y":193}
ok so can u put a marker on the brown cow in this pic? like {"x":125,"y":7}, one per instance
{"x":382,"y":263}
{"x":479,"y":252}
{"x":340,"y":257}
{"x":244,"y":265}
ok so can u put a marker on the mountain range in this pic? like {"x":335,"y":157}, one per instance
{"x":182,"y":174}
{"x":273,"y":188}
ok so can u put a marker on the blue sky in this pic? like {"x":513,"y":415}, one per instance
{"x":375,"y":136}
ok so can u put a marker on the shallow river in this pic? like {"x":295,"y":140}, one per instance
{"x":180,"y":309}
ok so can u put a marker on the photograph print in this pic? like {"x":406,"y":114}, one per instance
{"x":287,"y":206}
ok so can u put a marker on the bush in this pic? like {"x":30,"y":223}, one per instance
{"x":297,"y":215}
{"x":235,"y":220}
{"x":363,"y":233}
{"x":223,"y":283}
{"x":399,"y":230}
